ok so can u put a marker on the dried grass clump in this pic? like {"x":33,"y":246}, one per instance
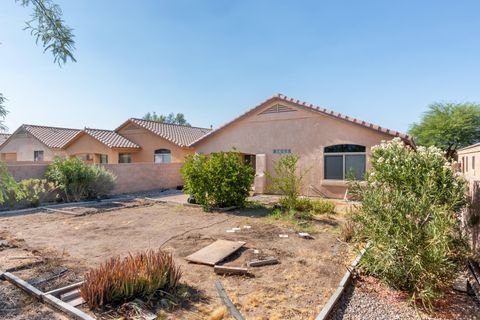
{"x":135,"y":276}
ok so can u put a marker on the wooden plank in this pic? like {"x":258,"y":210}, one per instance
{"x":24,"y":266}
{"x":215,"y":252}
{"x":230,"y":270}
{"x":228,"y":303}
{"x":59,"y":291}
{"x":66,"y":308}
{"x":22,"y":284}
{"x":263,"y":262}
{"x":76,"y":302}
{"x":53,"y":275}
{"x":67,"y":296}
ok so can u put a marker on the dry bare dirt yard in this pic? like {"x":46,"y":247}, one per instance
{"x":297,"y":288}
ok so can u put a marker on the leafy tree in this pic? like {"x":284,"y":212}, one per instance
{"x":48,"y":27}
{"x":171,"y":118}
{"x":448,"y":126}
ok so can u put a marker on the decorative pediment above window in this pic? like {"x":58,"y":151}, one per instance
{"x":278,"y":108}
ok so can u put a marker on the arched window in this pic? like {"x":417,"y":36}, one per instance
{"x":162,"y":156}
{"x":343,"y":160}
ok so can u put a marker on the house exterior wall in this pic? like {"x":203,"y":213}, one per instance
{"x":151,"y":142}
{"x":469,"y":162}
{"x":305,"y":133}
{"x":24,"y":145}
{"x":89,"y":145}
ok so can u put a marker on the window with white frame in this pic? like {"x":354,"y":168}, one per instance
{"x":38,"y":155}
{"x":162,"y":156}
{"x":343,"y":160}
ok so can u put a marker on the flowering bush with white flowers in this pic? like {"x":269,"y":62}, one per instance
{"x":409,"y":213}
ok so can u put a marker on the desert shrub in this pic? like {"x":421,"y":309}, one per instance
{"x":78,"y":180}
{"x":410,"y":203}
{"x":306,"y":207}
{"x":135,"y":276}
{"x":102,"y":183}
{"x":36,"y":191}
{"x":286,"y":180}
{"x":323,"y":206}
{"x":220,"y":179}
{"x":10,"y":193}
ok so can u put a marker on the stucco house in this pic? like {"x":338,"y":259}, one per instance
{"x":36,"y":143}
{"x":469,"y":161}
{"x":100,"y":146}
{"x":330,"y":145}
{"x":160,"y":142}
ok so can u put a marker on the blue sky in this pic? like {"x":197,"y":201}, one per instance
{"x":380,"y":61}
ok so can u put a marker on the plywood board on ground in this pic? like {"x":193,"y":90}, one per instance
{"x":215,"y":252}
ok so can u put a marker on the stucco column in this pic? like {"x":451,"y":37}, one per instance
{"x":260,"y":182}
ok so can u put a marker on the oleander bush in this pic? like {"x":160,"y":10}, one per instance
{"x":220,"y":179}
{"x":409,"y":212}
{"x":78,"y":180}
{"x":119,"y":280}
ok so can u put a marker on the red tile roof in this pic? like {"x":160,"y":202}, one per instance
{"x":313,"y":108}
{"x":52,"y":137}
{"x":4,"y":137}
{"x":181,"y":135}
{"x":111,"y":139}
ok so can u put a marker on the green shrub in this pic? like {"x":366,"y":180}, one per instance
{"x":217,"y":180}
{"x":135,"y":276}
{"x":410,"y":204}
{"x":78,"y":180}
{"x":102,"y":183}
{"x":36,"y":191}
{"x":323,"y":206}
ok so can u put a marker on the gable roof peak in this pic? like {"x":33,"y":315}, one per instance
{"x":313,"y":108}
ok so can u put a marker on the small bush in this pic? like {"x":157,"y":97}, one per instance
{"x":286,"y":181}
{"x":308,"y":206}
{"x":36,"y":191}
{"x":410,"y":205}
{"x":217,"y":180}
{"x":136,"y":276}
{"x":78,"y":180}
{"x":102,"y":183}
{"x":323,"y":207}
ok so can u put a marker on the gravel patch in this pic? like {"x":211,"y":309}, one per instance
{"x":359,"y":302}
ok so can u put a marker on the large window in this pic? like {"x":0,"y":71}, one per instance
{"x":162,"y":156}
{"x":342,"y":160}
{"x":38,"y":155}
{"x":124,"y":158}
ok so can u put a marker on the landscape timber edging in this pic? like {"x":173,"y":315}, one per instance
{"x":328,"y":307}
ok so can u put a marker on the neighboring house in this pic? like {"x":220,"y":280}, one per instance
{"x":36,"y":143}
{"x":3,"y":137}
{"x":100,"y":146}
{"x":330,"y":145}
{"x":159,"y":142}
{"x":469,"y":161}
